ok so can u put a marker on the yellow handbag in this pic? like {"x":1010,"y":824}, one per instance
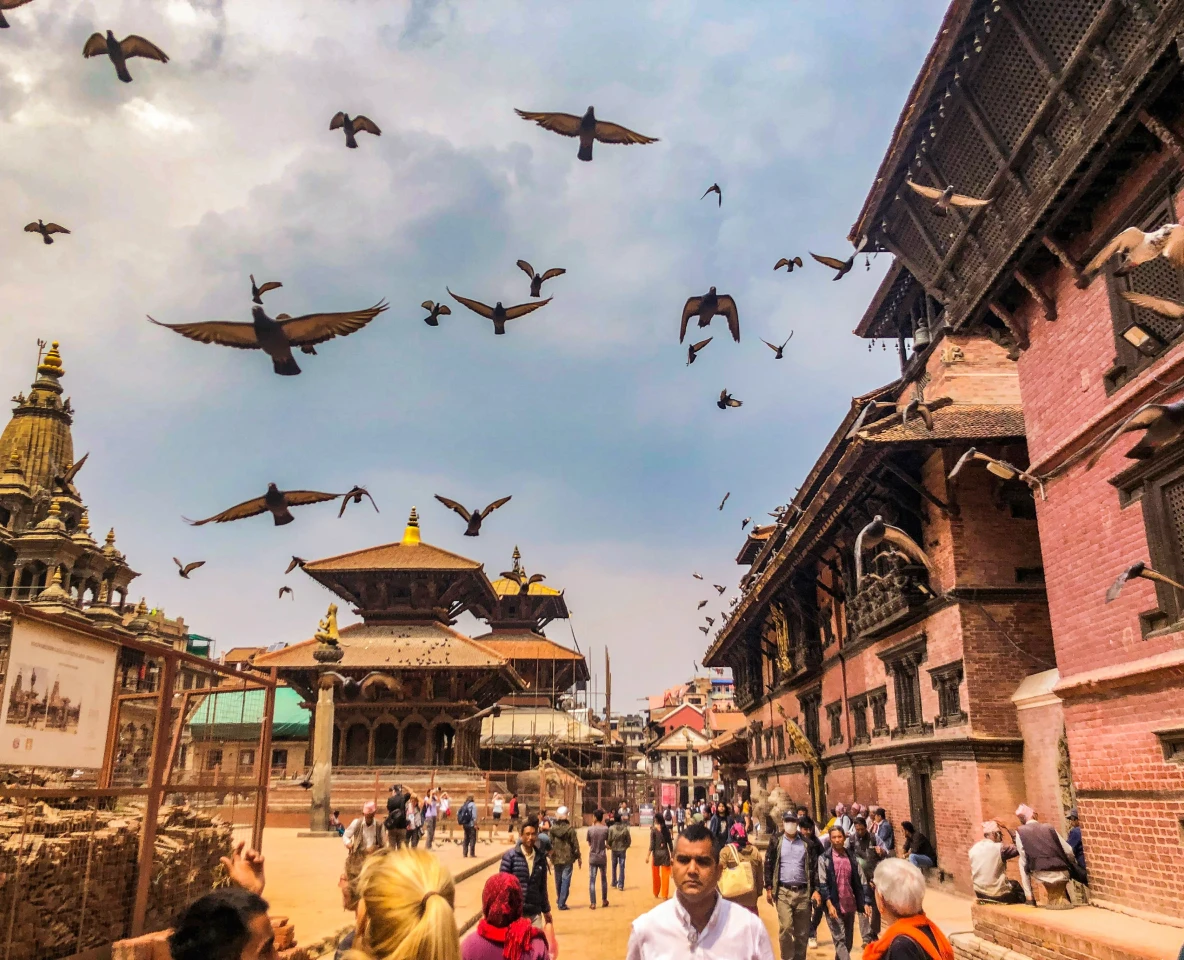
{"x":737,"y":880}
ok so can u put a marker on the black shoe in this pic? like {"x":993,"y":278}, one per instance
{"x":564,"y":906}
{"x":605,"y":904}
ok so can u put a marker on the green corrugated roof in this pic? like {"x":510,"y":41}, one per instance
{"x":237,"y":715}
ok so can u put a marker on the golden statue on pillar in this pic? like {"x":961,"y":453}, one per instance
{"x":328,"y":639}
{"x":810,"y":758}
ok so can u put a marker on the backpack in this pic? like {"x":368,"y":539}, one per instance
{"x":396,"y":818}
{"x":465,"y":815}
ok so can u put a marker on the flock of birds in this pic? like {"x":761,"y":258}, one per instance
{"x":278,"y":336}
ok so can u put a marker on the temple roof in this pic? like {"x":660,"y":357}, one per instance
{"x":527,"y":645}
{"x":39,"y":431}
{"x":960,"y":421}
{"x":418,"y":646}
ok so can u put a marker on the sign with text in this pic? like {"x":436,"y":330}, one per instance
{"x":669,"y":795}
{"x":57,"y":697}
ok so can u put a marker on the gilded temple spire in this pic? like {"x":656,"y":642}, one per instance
{"x":411,"y":531}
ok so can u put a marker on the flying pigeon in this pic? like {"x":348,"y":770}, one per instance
{"x":1161,"y":305}
{"x":719,"y":589}
{"x":843,"y":267}
{"x":707,"y":306}
{"x":45,"y":229}
{"x":288,"y":590}
{"x":725,"y":499}
{"x":355,"y":496}
{"x":352,"y":125}
{"x":945,"y":200}
{"x":120,"y":50}
{"x":537,"y":280}
{"x":710,"y":621}
{"x":694,"y":348}
{"x":789,"y":263}
{"x":706,"y":630}
{"x":435,"y":311}
{"x":277,"y":337}
{"x":727,"y":400}
{"x":587,"y":128}
{"x":714,"y":188}
{"x":183,"y":570}
{"x":474,"y":518}
{"x":1161,"y":423}
{"x":1135,"y":246}
{"x":697,"y":576}
{"x":745,"y":522}
{"x":497,"y":313}
{"x":702,"y":604}
{"x":65,"y":482}
{"x":296,"y":562}
{"x":778,"y":351}
{"x":1139,"y":569}
{"x":275,"y":501}
{"x":8,"y":5}
{"x":878,"y":532}
{"x":258,"y":291}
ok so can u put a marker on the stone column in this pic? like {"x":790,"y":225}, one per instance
{"x":320,"y":806}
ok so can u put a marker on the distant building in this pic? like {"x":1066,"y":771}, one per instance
{"x":680,"y":769}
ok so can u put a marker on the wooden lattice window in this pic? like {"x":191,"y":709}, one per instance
{"x":857,"y":707}
{"x":834,"y":716}
{"x":947,"y":681}
{"x":1060,"y":25}
{"x":1156,"y":277}
{"x":878,"y":701}
{"x":810,"y":704}
{"x":903,"y":663}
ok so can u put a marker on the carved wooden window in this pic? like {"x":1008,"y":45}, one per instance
{"x":834,"y":716}
{"x":1156,"y":277}
{"x":810,"y":704}
{"x":947,"y":681}
{"x":694,"y":766}
{"x":213,"y":758}
{"x":858,"y":709}
{"x":780,"y":742}
{"x":903,"y":663}
{"x":682,"y":766}
{"x":878,"y":701}
{"x":1172,"y":743}
{"x":769,"y":744}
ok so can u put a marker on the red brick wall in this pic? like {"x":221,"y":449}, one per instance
{"x":1041,"y":728}
{"x":982,"y":375}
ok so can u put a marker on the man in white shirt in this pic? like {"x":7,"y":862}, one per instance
{"x":988,"y":867}
{"x":363,"y":837}
{"x":697,"y":922}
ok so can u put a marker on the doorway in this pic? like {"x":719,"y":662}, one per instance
{"x":921,"y":805}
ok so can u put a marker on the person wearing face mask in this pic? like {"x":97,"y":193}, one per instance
{"x":789,"y":885}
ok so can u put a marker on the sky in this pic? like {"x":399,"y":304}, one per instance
{"x":220,"y":164}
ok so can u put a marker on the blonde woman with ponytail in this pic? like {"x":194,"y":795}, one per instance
{"x":407,"y":909}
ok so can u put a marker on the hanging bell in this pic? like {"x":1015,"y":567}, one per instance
{"x":921,"y":337}
{"x":867,"y":262}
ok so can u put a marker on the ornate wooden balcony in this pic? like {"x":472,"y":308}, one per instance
{"x":887,"y":598}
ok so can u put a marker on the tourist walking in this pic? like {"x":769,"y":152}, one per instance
{"x":719,"y":824}
{"x":910,"y":935}
{"x":529,"y":864}
{"x":431,"y":812}
{"x":618,"y":843}
{"x":414,"y":822}
{"x":680,"y":815}
{"x":917,"y":847}
{"x":1044,"y":856}
{"x":668,"y":816}
{"x":743,"y":877}
{"x":988,"y":867}
{"x":515,"y":812}
{"x":868,"y":856}
{"x":841,"y":883}
{"x":697,"y":921}
{"x":365,"y":835}
{"x":409,"y":901}
{"x":597,"y":858}
{"x":466,"y":817}
{"x":808,"y":832}
{"x":565,"y":853}
{"x":503,"y":933}
{"x":659,"y":857}
{"x":790,"y":875}
{"x":885,"y":835}
{"x":396,"y":815}
{"x":497,"y":804}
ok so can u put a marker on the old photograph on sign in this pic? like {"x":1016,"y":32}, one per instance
{"x":57,"y":697}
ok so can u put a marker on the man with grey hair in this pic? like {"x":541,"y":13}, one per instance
{"x":910,"y":935}
{"x":988,"y":867}
{"x":1044,"y":856}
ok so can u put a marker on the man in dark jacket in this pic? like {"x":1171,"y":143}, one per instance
{"x":618,"y":843}
{"x":466,"y":816}
{"x":791,"y":869}
{"x":396,"y":816}
{"x":529,"y":865}
{"x":565,"y":851}
{"x":719,"y":825}
{"x":842,"y":884}
{"x":867,"y":854}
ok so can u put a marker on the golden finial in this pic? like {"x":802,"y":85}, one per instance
{"x":411,"y":531}
{"x":84,"y":522}
{"x":51,"y":364}
{"x":111,"y":537}
{"x":517,"y":557}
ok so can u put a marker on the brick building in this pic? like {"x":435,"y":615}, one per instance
{"x":1066,"y":115}
{"x":900,"y":677}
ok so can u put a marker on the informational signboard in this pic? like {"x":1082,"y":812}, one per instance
{"x":669,"y":795}
{"x":57,"y":697}
{"x":646,"y":814}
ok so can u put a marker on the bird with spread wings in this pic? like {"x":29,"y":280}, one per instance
{"x":258,"y":289}
{"x":711,"y":304}
{"x":1135,"y":246}
{"x":120,"y":51}
{"x":1135,"y":571}
{"x":277,"y":337}
{"x":778,"y":351}
{"x":1000,"y":468}
{"x":945,"y":200}
{"x":878,"y":532}
{"x":538,"y":279}
{"x":275,"y":501}
{"x":473,"y":518}
{"x":497,"y":313}
{"x":355,"y":495}
{"x":1161,"y":423}
{"x":587,"y":128}
{"x":9,"y":5}
{"x":45,"y":229}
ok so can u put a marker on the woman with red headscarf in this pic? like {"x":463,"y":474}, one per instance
{"x":502,"y":932}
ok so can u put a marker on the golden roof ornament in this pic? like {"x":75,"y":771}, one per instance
{"x":51,"y":363}
{"x":517,"y":558}
{"x":55,"y":593}
{"x":411,"y":531}
{"x":140,"y":622}
{"x":53,"y":522}
{"x":328,"y":639}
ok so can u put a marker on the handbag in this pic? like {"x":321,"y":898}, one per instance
{"x":737,"y":880}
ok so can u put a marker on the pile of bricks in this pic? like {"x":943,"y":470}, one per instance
{"x":70,"y":874}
